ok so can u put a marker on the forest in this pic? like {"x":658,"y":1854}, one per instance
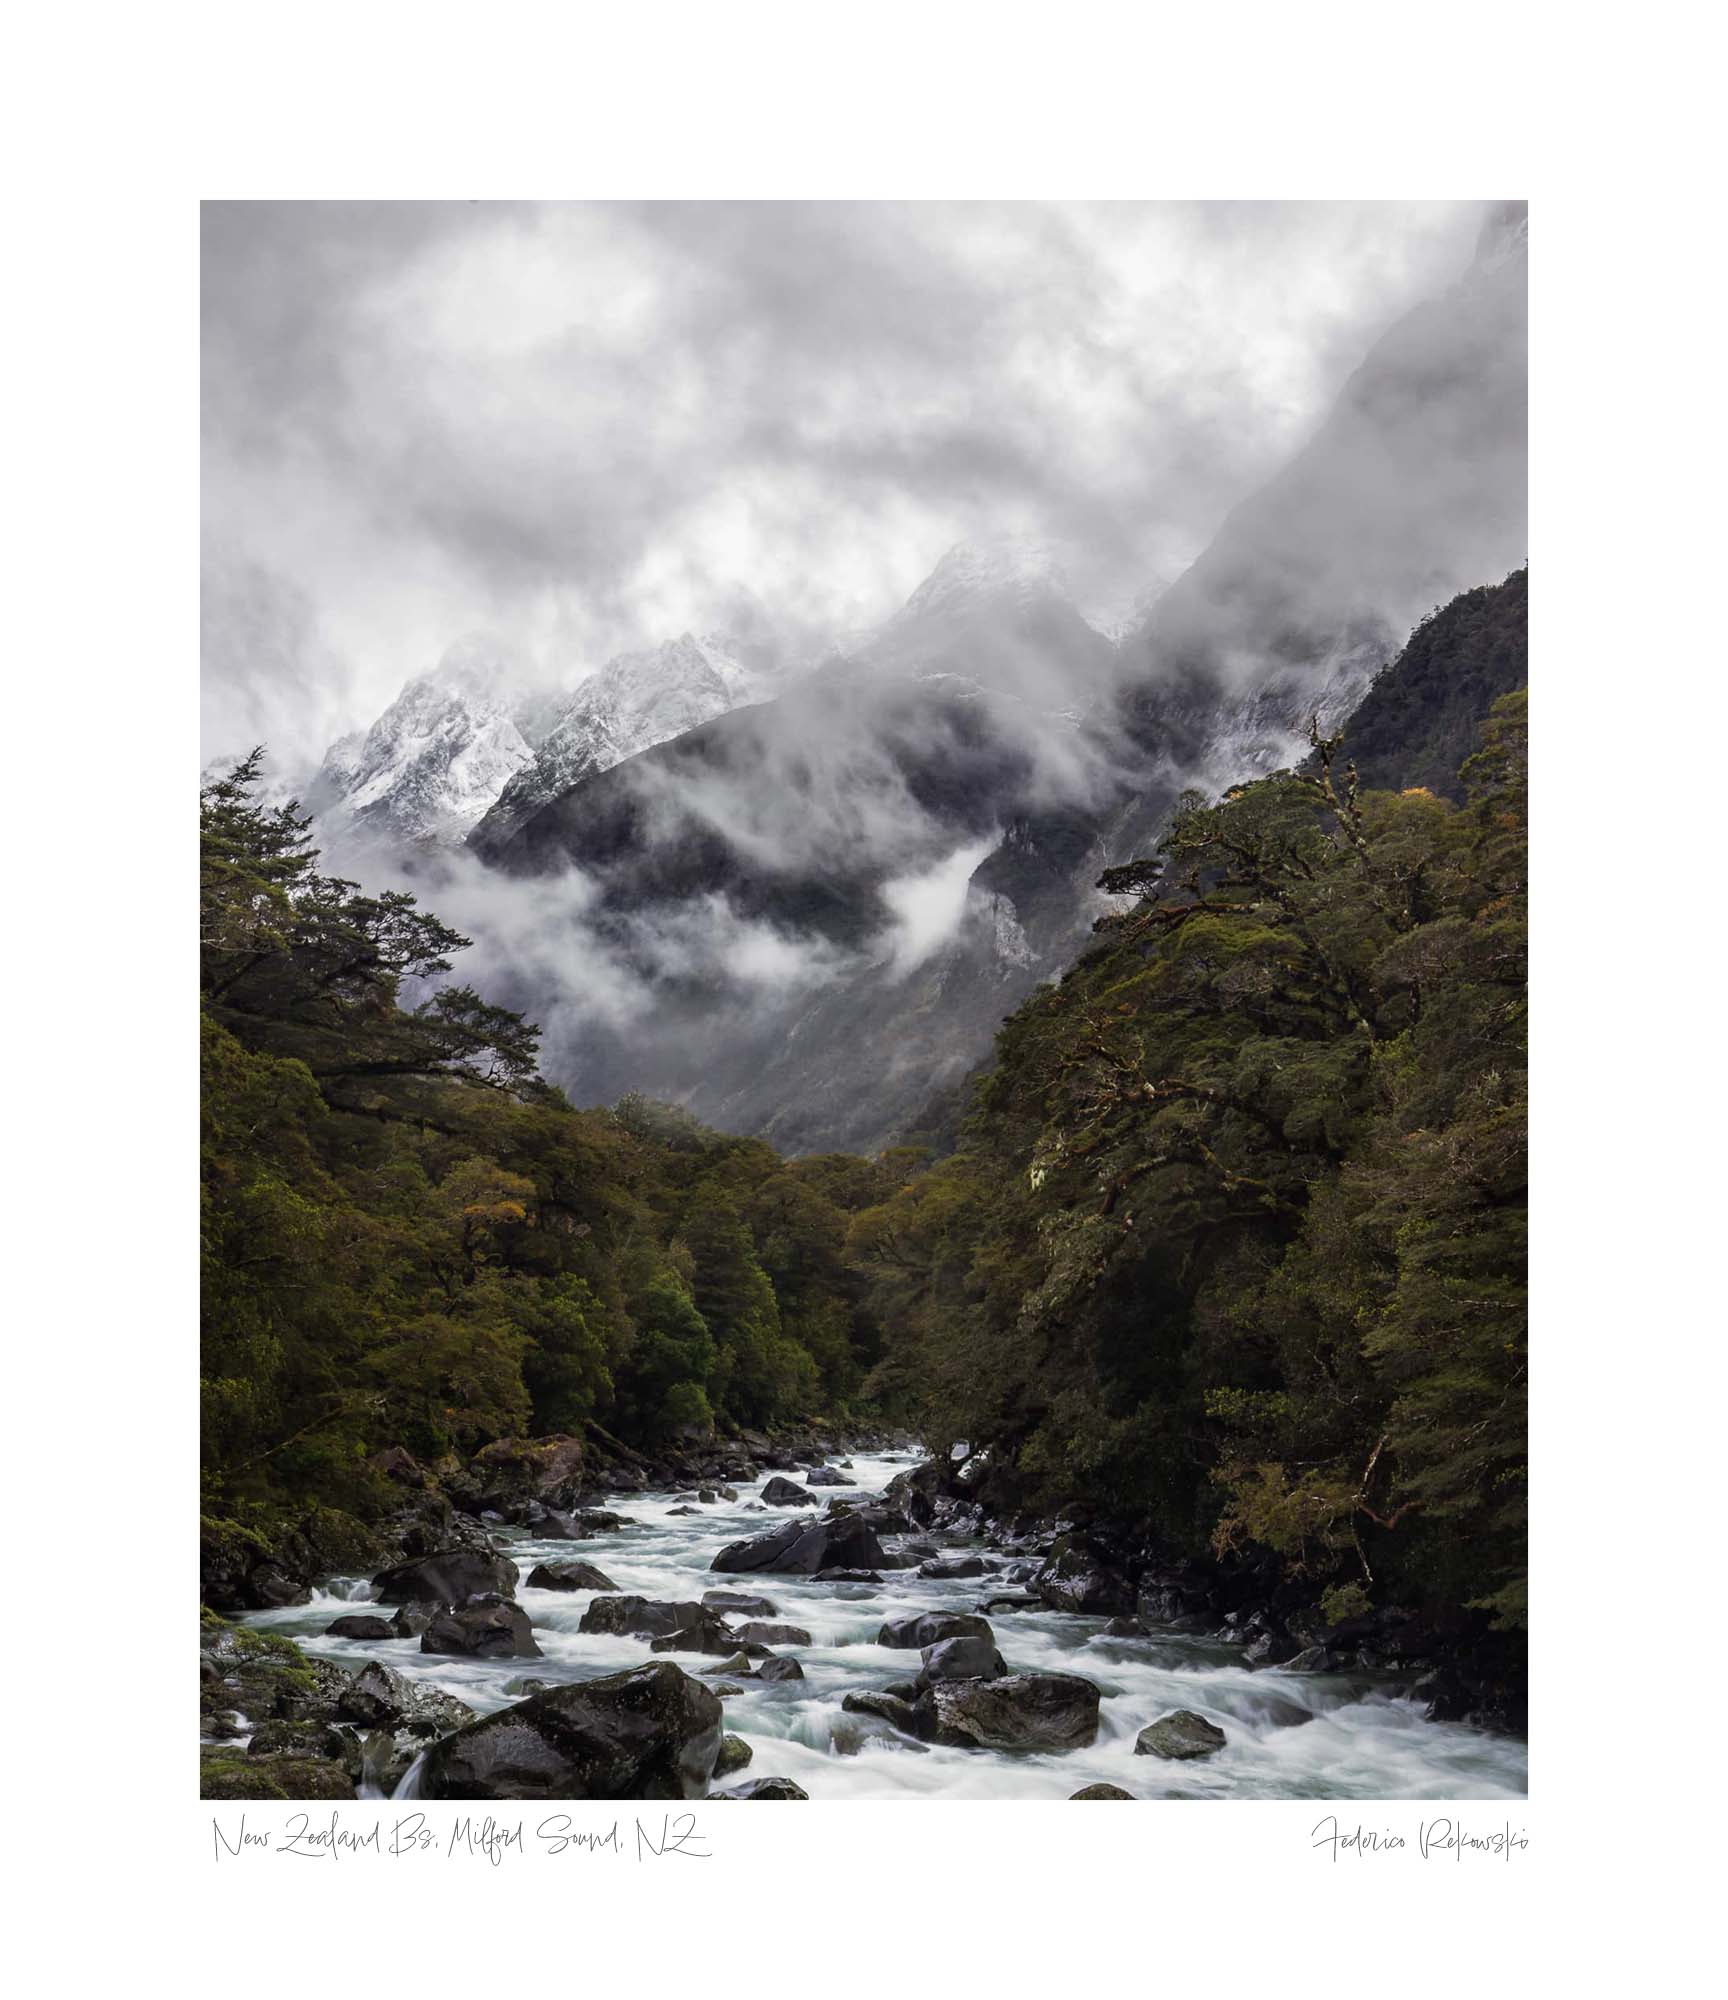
{"x":1229,"y":1243}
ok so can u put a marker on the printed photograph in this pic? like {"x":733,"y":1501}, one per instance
{"x":863,"y":964}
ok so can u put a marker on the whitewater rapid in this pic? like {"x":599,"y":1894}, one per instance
{"x":1295,"y":1736}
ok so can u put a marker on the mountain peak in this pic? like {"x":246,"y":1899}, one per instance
{"x":1016,"y":567}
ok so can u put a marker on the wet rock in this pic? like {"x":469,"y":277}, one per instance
{"x":738,"y":1600}
{"x":224,"y":1774}
{"x":779,"y":1667}
{"x":708,"y":1497}
{"x":727,"y":1493}
{"x":805,"y":1548}
{"x":320,"y":1740}
{"x":825,"y":1475}
{"x":652,"y":1732}
{"x":549,"y":1526}
{"x":887,"y":1707}
{"x":952,"y":1566}
{"x":707,"y":1634}
{"x":646,"y":1618}
{"x":412,"y":1619}
{"x":359,"y":1626}
{"x":1021,"y":1712}
{"x":1268,"y":1649}
{"x":930,"y":1628}
{"x":735,"y":1753}
{"x":599,"y":1521}
{"x":787,"y":1493}
{"x":1179,"y":1735}
{"x":449,"y":1578}
{"x":1124,"y":1628}
{"x":1313,"y":1660}
{"x":569,"y":1576}
{"x":847,"y":1576}
{"x":768,"y":1634}
{"x":764,"y":1788}
{"x":670,"y":1511}
{"x":378,"y":1696}
{"x":1075,"y":1579}
{"x":1101,"y":1792}
{"x":1013,"y":1603}
{"x":485,"y":1628}
{"x":725,"y":1687}
{"x":967,"y":1658}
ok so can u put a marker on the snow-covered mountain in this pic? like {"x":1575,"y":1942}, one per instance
{"x":634,"y":702}
{"x":429,"y":767}
{"x":465,"y":747}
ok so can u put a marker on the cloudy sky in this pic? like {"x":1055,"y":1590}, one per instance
{"x":574,"y":427}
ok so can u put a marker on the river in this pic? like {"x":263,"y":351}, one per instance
{"x":1354,"y":1739}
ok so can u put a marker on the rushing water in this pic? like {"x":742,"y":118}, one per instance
{"x":1290,"y":1735}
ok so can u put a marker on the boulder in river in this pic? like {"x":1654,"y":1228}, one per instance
{"x":787,"y":1493}
{"x":569,"y":1576}
{"x":779,"y":1667}
{"x":825,"y":1475}
{"x":764,"y":1788}
{"x":451,"y":1577}
{"x":360,"y":1626}
{"x":1179,"y":1735}
{"x":1020,"y":1712}
{"x":644,"y":1617}
{"x":766,"y":1633}
{"x":226,"y":1774}
{"x":1101,"y":1792}
{"x":944,"y":1567}
{"x":967,"y":1658}
{"x":485,"y":1628}
{"x":378,"y":1696}
{"x":805,"y":1548}
{"x":651,"y":1732}
{"x":707,"y":1634}
{"x":735,"y":1753}
{"x":930,"y":1628}
{"x":738,"y":1600}
{"x":847,"y":1576}
{"x":889,"y":1707}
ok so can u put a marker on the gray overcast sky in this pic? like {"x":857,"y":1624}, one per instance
{"x":578,"y":426}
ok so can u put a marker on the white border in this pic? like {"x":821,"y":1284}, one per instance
{"x":123,"y":118}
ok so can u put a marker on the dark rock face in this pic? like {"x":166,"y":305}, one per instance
{"x":1074,"y":1579}
{"x":486,"y":1628}
{"x":767,"y":1634}
{"x":803,"y":1548}
{"x":1101,"y":1792}
{"x":1125,"y":1628}
{"x":930,"y":1628}
{"x":825,"y":1475}
{"x":952,"y":1566}
{"x":735,"y":1753}
{"x":1179,"y":1735}
{"x":412,"y":1619}
{"x":569,"y":1576}
{"x":450,"y":1578}
{"x":764,"y":1788}
{"x":649,"y":1733}
{"x":787,"y":1493}
{"x":360,"y":1627}
{"x":738,"y":1600}
{"x":1019,"y":1712}
{"x":969,"y":1658}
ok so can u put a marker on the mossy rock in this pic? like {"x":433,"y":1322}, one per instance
{"x":225,"y":1774}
